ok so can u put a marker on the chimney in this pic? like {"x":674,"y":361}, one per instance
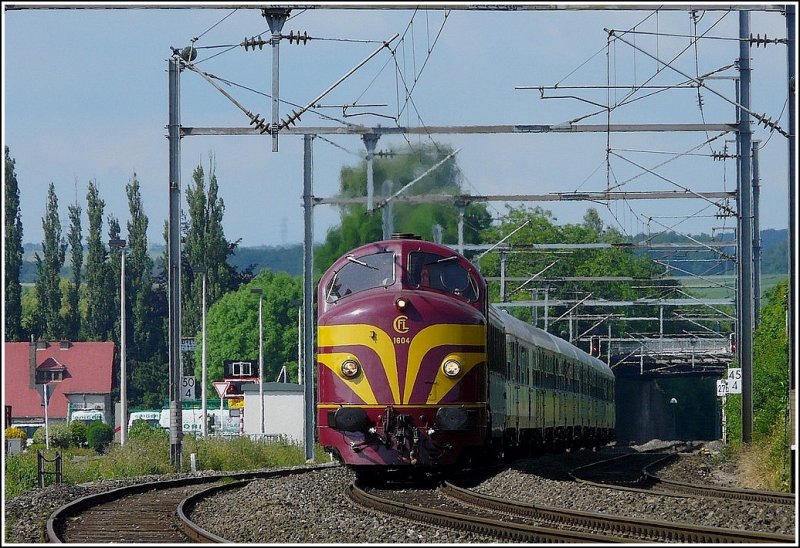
{"x":64,"y":345}
{"x":32,"y":364}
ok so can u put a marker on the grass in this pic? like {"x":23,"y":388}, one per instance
{"x":765,"y":463}
{"x":149,"y":454}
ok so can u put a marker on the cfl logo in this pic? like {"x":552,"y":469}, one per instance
{"x":400,"y":324}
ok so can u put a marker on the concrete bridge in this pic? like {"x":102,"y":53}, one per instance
{"x":668,"y":356}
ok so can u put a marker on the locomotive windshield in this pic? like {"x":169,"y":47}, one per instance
{"x":361,"y":273}
{"x":428,"y":270}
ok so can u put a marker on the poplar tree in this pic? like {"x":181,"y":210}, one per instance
{"x":48,"y":268}
{"x":205,"y":247}
{"x":75,"y":240}
{"x":12,"y":254}
{"x":100,"y":315}
{"x":138,"y":269}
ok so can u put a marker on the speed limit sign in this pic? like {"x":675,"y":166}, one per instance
{"x":187,"y":388}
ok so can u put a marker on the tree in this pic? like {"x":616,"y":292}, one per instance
{"x":138,"y":269}
{"x":113,"y":288}
{"x":13,"y":253}
{"x":770,"y":359}
{"x":75,"y":239}
{"x":205,"y":247}
{"x":148,"y":356}
{"x":406,"y":165}
{"x":232,"y":326}
{"x":99,"y":321}
{"x":48,"y":268}
{"x":536,"y":225}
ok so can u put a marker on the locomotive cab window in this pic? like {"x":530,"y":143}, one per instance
{"x":428,"y":270}
{"x":361,"y":273}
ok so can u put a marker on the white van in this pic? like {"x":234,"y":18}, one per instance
{"x":87,"y":416}
{"x":220,"y":421}
{"x":153,"y":418}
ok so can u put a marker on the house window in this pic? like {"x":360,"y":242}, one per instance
{"x":241,"y":369}
{"x":49,"y":375}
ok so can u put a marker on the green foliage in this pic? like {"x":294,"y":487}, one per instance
{"x":20,"y":473}
{"x":48,"y":269}
{"x":145,"y":452}
{"x":59,"y":433}
{"x":100,"y":282}
{"x":141,"y":430}
{"x":770,"y":388}
{"x":406,"y":165}
{"x":149,"y":383}
{"x":242,"y":453}
{"x":149,"y":454}
{"x":12,"y":432}
{"x":523,"y":227}
{"x":99,"y":435}
{"x":770,"y":362}
{"x":232,"y":327}
{"x":77,"y":431}
{"x":72,"y":317}
{"x":12,"y":253}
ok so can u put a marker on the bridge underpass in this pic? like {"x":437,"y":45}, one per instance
{"x":666,"y":388}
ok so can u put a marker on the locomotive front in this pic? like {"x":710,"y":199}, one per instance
{"x":401,"y":356}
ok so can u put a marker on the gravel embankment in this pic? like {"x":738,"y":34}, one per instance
{"x":312,"y":508}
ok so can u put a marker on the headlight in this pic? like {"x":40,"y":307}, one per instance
{"x":350,"y":368}
{"x":451,"y":368}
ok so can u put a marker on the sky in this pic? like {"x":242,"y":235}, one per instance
{"x":85,"y":98}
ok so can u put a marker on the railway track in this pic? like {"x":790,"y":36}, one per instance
{"x":635,"y":472}
{"x":455,"y":506}
{"x":612,"y":526}
{"x":154,"y":512}
{"x":428,"y":506}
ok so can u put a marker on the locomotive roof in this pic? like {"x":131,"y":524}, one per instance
{"x":404,"y":242}
{"x":549,"y":341}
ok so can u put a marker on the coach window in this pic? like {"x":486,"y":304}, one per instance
{"x":361,"y":273}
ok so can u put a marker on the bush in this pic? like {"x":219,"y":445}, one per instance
{"x":99,"y":435}
{"x":141,"y":430}
{"x":77,"y":430}
{"x":12,"y":432}
{"x":60,"y":436}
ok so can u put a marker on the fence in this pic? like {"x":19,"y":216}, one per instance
{"x":40,"y":467}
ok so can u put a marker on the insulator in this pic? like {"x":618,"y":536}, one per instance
{"x":259,"y":123}
{"x":758,"y":41}
{"x":253,"y":42}
{"x":721,"y":155}
{"x":291,"y":120}
{"x":298,"y":37}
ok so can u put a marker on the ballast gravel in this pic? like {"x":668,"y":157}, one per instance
{"x":313,"y":509}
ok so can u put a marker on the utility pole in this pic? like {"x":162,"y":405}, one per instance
{"x":745,"y":231}
{"x":308,"y":297}
{"x":275,"y":17}
{"x":388,"y":211}
{"x":370,"y":140}
{"x":791,"y":58}
{"x":756,"y":239}
{"x":175,"y":372}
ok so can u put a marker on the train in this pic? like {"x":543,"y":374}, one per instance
{"x":418,"y":371}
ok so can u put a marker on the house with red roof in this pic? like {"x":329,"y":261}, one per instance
{"x":78,"y":376}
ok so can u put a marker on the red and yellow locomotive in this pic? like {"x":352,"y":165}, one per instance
{"x":416,"y":369}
